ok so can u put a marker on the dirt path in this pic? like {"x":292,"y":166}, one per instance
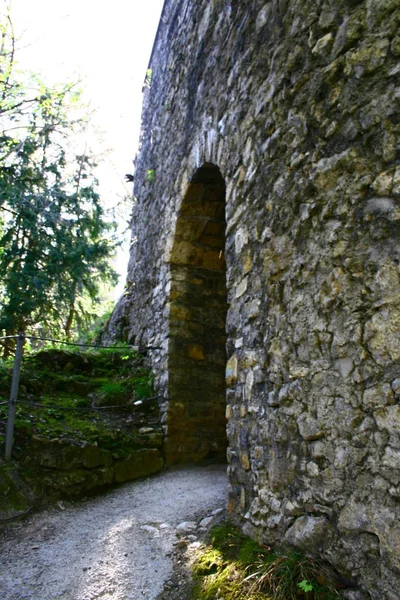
{"x":116,"y":547}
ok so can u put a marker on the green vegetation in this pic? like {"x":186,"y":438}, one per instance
{"x":137,"y":387}
{"x":235,"y":567}
{"x":151,"y":175}
{"x":67,"y":395}
{"x":78,"y":426}
{"x":56,"y":244}
{"x":148,"y":78}
{"x":98,"y":323}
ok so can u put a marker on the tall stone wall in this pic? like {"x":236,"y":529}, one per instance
{"x":287,"y":114}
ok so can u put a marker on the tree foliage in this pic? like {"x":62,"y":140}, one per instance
{"x":55,"y":242}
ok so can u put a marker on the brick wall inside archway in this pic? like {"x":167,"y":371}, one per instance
{"x":196,"y":427}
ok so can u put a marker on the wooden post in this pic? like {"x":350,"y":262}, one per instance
{"x":12,"y":405}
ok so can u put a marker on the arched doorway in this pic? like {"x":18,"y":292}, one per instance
{"x":196,"y":426}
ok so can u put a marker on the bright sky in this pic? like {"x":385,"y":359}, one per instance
{"x":107,"y":45}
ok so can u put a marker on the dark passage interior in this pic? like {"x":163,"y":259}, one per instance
{"x":196,"y":427}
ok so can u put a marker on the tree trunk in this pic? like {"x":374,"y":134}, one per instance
{"x":8,"y":345}
{"x":69,"y":321}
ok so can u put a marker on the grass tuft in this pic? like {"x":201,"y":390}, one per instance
{"x":235,"y":567}
{"x":290,"y":576}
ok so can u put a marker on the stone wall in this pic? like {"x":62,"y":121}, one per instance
{"x":287,"y":113}
{"x":49,"y":469}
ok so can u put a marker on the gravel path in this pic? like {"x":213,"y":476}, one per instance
{"x":116,"y":547}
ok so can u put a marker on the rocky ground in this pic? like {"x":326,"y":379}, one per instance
{"x":129,"y":544}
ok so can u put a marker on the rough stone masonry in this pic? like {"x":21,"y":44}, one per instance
{"x":266,"y":240}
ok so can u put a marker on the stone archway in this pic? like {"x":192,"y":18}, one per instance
{"x":196,"y":426}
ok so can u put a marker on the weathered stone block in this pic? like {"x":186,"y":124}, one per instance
{"x":138,"y":464}
{"x":378,"y":396}
{"x":232,"y":370}
{"x":310,"y":428}
{"x":310,"y":534}
{"x":93,"y":456}
{"x":388,"y":418}
{"x":152,"y":439}
{"x":195,"y":351}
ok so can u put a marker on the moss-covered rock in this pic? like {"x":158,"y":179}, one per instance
{"x":77,"y":428}
{"x":16,"y":493}
{"x":138,"y":464}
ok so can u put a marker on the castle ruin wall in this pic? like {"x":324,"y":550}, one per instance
{"x":285,"y":113}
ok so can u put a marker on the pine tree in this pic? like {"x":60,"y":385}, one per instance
{"x":55,"y":243}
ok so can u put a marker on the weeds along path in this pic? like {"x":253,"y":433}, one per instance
{"x":115,"y":547}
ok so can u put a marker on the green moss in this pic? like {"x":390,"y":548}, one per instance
{"x":126,"y":389}
{"x":250,"y":551}
{"x":226,"y":583}
{"x":70,"y":387}
{"x":209,"y":562}
{"x":235,"y":567}
{"x":68,"y":398}
{"x":221,"y":568}
{"x":143,"y":385}
{"x":13,"y":500}
{"x":234,"y":545}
